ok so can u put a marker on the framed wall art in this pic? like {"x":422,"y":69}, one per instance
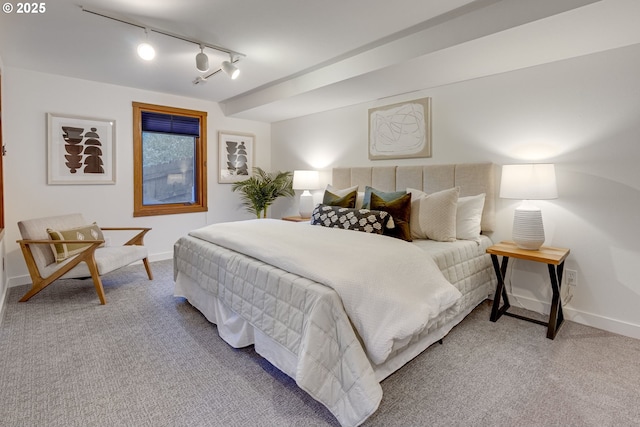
{"x":235,"y":156}
{"x":80,"y":150}
{"x":400,"y":131}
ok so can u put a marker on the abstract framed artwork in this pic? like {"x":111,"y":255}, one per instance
{"x":400,"y":131}
{"x":235,"y":156}
{"x":80,"y":150}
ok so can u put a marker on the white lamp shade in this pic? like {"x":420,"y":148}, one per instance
{"x":306,"y":180}
{"x":529,"y":182}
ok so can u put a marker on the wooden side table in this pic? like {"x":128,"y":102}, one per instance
{"x":553,"y":257}
{"x":295,"y":219}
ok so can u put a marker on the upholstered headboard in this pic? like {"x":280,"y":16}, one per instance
{"x":472,"y":178}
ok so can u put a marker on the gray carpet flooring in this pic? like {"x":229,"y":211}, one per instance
{"x":150,"y":359}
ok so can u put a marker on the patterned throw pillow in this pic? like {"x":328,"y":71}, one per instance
{"x":366,"y":220}
{"x":63,"y":250}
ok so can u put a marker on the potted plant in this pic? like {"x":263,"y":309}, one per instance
{"x":262,"y":189}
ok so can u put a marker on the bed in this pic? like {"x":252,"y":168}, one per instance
{"x":307,"y":317}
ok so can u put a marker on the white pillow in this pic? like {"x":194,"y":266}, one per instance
{"x":433,"y":216}
{"x":469,"y":217}
{"x":414,"y":218}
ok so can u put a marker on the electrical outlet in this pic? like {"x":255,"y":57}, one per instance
{"x":571,"y":277}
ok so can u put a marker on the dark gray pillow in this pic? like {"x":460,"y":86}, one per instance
{"x":366,"y":220}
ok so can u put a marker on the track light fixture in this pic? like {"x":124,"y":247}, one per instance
{"x":147,"y":52}
{"x":230,"y":69}
{"x":202,"y":60}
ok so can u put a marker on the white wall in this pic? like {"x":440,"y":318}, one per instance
{"x":28,"y":96}
{"x":581,"y":114}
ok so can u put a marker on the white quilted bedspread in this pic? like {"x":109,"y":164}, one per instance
{"x":389,"y":288}
{"x":303,"y":316}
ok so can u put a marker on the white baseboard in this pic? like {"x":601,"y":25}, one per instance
{"x":25,"y":279}
{"x":584,"y":318}
{"x":18,"y":281}
{"x":161,"y":256}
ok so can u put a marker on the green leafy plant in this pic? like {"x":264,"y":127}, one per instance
{"x":262,"y":189}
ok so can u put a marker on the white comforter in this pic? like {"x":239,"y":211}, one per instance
{"x":389,"y":288}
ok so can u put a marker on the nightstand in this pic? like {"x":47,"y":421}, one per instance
{"x":295,"y":219}
{"x":553,"y":257}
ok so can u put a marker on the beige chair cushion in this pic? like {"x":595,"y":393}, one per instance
{"x":108,"y":259}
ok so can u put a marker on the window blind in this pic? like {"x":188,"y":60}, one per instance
{"x":168,"y":123}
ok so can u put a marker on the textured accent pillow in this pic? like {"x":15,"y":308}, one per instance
{"x":346,"y":201}
{"x":63,"y":250}
{"x":384,"y":195}
{"x":366,"y":220}
{"x":469,"y":217}
{"x":433,"y":216}
{"x":400,"y":211}
{"x":416,"y":198}
{"x":345,"y":197}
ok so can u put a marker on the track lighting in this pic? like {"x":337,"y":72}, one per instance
{"x":202,"y":60}
{"x":230,"y":69}
{"x":145,"y":50}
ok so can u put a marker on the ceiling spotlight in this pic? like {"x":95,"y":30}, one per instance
{"x":145,"y":50}
{"x":202,"y":60}
{"x":231,"y":70}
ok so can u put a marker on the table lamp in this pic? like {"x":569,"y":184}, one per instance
{"x":306,"y":180}
{"x":528,"y":182}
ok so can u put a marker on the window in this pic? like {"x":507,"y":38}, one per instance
{"x":169,"y":155}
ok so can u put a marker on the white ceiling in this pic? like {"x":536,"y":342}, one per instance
{"x":306,"y":56}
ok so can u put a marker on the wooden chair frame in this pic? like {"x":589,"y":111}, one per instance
{"x":87,"y":255}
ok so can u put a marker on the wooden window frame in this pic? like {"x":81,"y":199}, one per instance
{"x":200,"y":204}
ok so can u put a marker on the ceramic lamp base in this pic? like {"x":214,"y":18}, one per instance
{"x":306,"y":204}
{"x":528,"y":231}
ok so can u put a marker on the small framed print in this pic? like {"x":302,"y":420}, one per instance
{"x":80,"y":150}
{"x":235,"y":156}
